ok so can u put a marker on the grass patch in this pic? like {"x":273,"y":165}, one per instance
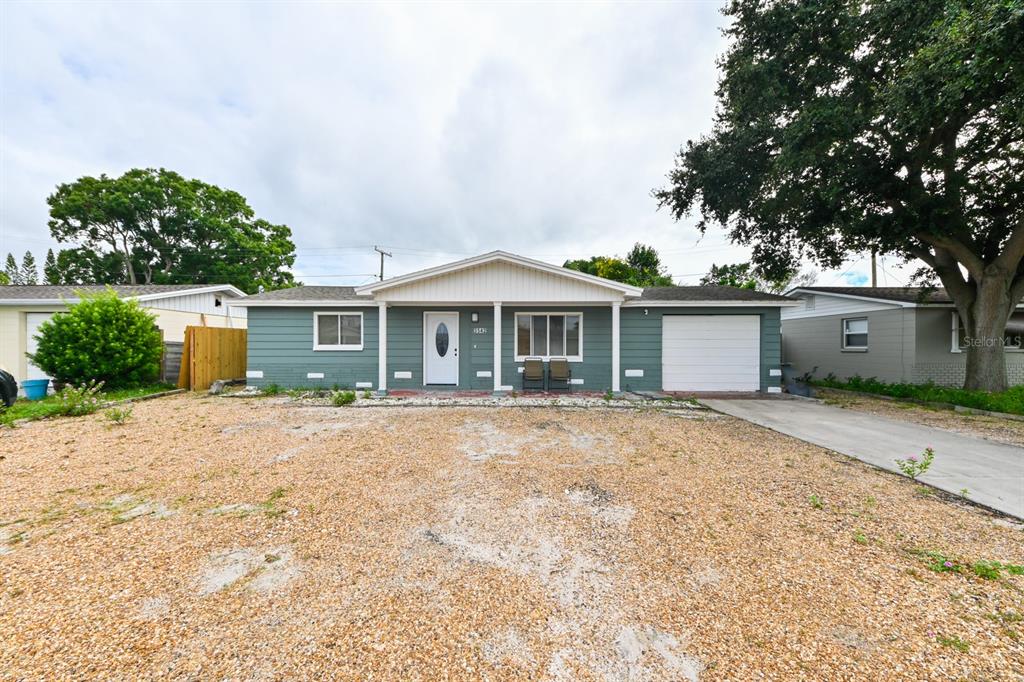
{"x":51,"y":406}
{"x":270,"y":507}
{"x":954,"y":642}
{"x":1010,"y":401}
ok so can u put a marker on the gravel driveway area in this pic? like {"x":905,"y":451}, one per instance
{"x":215,"y":538}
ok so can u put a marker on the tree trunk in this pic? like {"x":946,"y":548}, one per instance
{"x":986,"y":329}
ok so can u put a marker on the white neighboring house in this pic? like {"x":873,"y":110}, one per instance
{"x":24,"y":308}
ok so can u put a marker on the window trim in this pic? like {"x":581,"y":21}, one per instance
{"x":317,"y":346}
{"x":515,"y":335}
{"x":854,"y":349}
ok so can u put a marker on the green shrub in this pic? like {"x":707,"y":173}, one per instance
{"x":1010,"y":401}
{"x":913,"y":466}
{"x":343,"y":398}
{"x":102,"y":339}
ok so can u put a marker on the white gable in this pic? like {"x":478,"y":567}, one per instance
{"x":498,"y":280}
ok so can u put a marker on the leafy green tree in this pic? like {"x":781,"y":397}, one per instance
{"x":892,"y":125}
{"x":3,"y":278}
{"x":85,"y":266}
{"x":641,"y":268}
{"x":747,"y":276}
{"x":167,"y":229}
{"x":29,"y":271}
{"x":51,"y":275}
{"x":102,"y":338}
{"x":12,"y":273}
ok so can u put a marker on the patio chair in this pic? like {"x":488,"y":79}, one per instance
{"x":533,"y":373}
{"x":559,"y":373}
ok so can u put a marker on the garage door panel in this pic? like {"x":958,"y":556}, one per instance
{"x":711,"y":352}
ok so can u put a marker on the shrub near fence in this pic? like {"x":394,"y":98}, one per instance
{"x":211,"y":353}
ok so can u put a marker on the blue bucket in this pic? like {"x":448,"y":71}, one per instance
{"x":35,"y":389}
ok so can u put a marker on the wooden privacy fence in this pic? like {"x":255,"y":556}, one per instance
{"x":211,"y":353}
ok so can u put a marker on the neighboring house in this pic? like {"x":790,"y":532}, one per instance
{"x":438,"y":328}
{"x":24,"y":308}
{"x":896,"y":334}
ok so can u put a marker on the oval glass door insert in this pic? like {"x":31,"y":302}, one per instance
{"x":441,"y":339}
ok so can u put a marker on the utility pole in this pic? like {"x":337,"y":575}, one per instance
{"x":874,"y":268}
{"x":382,"y":253}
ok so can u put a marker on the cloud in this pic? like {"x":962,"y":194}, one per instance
{"x":437,"y":130}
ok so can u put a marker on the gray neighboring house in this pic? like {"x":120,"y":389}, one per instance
{"x":896,"y":334}
{"x":469,"y":325}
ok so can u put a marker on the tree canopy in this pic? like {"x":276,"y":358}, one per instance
{"x":893,"y":125}
{"x":747,"y":276}
{"x":155,"y":226}
{"x":641,"y":267}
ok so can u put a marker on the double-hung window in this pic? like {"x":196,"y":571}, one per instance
{"x":337,"y":331}
{"x":549,"y":335}
{"x":855,"y":333}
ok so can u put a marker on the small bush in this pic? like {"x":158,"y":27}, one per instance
{"x":102,"y":338}
{"x":342,"y":398}
{"x":119,"y":415}
{"x":74,"y":401}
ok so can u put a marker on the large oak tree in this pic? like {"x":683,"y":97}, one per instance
{"x":894,"y":125}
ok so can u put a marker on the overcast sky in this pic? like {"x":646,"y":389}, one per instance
{"x":436,"y":131}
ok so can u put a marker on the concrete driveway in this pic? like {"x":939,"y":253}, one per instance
{"x":992,"y":473}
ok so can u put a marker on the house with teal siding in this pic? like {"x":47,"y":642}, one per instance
{"x":473,"y":323}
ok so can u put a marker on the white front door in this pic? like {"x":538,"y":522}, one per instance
{"x":441,"y":348}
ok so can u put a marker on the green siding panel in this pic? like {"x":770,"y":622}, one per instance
{"x":596,"y":368}
{"x":281,"y":346}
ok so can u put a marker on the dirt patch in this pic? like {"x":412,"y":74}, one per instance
{"x":260,"y":570}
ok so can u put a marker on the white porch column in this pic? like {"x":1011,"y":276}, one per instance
{"x":615,"y":347}
{"x":497,"y":346}
{"x":382,"y":347}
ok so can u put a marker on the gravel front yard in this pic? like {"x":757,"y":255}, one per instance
{"x":1009,"y":431}
{"x":247,"y":539}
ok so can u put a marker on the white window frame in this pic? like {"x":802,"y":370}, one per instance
{"x":339,"y":346}
{"x":515,"y":337}
{"x":954,"y":344}
{"x":845,"y":333}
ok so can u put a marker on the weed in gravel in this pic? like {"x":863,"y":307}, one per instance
{"x":992,"y":570}
{"x":367,"y":395}
{"x":954,"y":642}
{"x":938,"y":562}
{"x":271,"y":389}
{"x":342,"y":398}
{"x":74,"y":401}
{"x":816,"y":502}
{"x":860,"y":538}
{"x":914,"y":465}
{"x":118,"y":415}
{"x":270,"y":508}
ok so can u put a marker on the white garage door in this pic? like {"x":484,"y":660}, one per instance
{"x":711,"y":352}
{"x":32,"y":322}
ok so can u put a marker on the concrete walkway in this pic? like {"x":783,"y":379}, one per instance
{"x":992,"y":473}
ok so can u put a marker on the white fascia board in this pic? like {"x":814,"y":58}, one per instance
{"x":491,"y":257}
{"x":189,"y":292}
{"x":710,"y":304}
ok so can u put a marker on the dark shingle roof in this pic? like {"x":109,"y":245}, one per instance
{"x":707,"y":293}
{"x":49,"y":292}
{"x":900,"y":294}
{"x":311,"y":294}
